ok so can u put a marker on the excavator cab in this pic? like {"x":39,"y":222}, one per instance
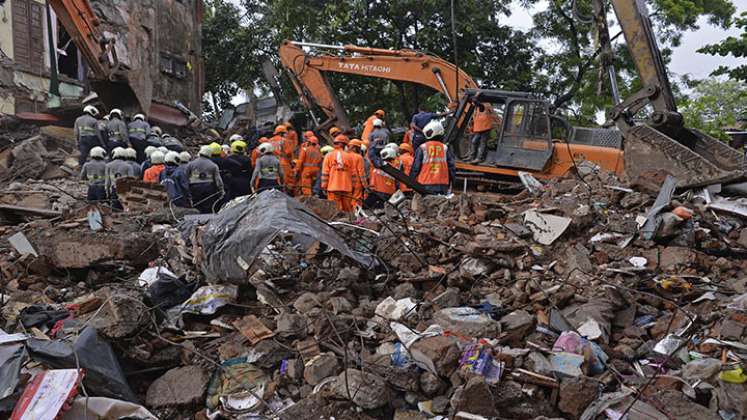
{"x":524,"y":136}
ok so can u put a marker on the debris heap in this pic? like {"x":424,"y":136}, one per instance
{"x":583,"y":298}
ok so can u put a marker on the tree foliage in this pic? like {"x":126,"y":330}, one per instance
{"x":558,"y":57}
{"x":715,"y":105}
{"x":736,"y":47}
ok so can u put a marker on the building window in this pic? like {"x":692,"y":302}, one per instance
{"x":28,"y":35}
{"x":173,"y":66}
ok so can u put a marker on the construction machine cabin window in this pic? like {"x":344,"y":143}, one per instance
{"x":69,"y":60}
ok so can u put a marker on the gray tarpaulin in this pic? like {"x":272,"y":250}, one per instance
{"x":245,"y":229}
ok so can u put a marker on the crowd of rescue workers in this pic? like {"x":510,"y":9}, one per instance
{"x":348,"y":172}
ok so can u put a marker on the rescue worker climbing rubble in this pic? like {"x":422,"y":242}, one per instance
{"x":268,"y":172}
{"x":369,"y":126}
{"x":284,"y":152}
{"x":383,"y":185}
{"x":337,"y":175}
{"x":87,"y":133}
{"x":94,"y":173}
{"x":309,"y":165}
{"x":175,"y":181}
{"x":117,"y":129}
{"x":239,"y":165}
{"x":117,"y":169}
{"x":138,"y":130}
{"x":433,"y":166}
{"x":360,"y":177}
{"x":205,"y":182}
{"x":157,"y":166}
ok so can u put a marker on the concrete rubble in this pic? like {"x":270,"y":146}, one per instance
{"x":582,"y":300}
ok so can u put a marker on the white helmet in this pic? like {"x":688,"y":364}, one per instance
{"x":156,"y":130}
{"x":91,"y":110}
{"x":172,"y":157}
{"x":235,"y":137}
{"x":205,"y":151}
{"x":163,"y":149}
{"x":226,"y":149}
{"x":106,"y":118}
{"x":157,"y":157}
{"x":140,"y":117}
{"x":117,"y":112}
{"x":393,"y":146}
{"x":131,"y":153}
{"x":184,"y":157}
{"x":433,"y":129}
{"x":388,"y":153}
{"x":98,"y":152}
{"x":149,"y":150}
{"x":266,"y":148}
{"x":378,"y":123}
{"x":119,"y":153}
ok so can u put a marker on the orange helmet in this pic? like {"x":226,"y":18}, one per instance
{"x":263,"y":139}
{"x":334,"y":131}
{"x":288,"y":124}
{"x":281,"y":129}
{"x":308,"y":134}
{"x":341,"y":139}
{"x":313,"y":140}
{"x":406,"y":147}
{"x":355,"y":143}
{"x":380,"y":113}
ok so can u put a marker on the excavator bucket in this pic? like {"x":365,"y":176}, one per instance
{"x":649,"y":151}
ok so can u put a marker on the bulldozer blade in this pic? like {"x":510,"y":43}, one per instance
{"x":649,"y":151}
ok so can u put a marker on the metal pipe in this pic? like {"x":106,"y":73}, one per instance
{"x":441,"y":82}
{"x":312,"y":44}
{"x":613,"y":84}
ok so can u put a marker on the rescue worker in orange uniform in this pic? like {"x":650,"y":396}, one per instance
{"x":368,"y":125}
{"x":283,"y":150}
{"x":482,"y":124}
{"x":407,"y":158}
{"x":256,"y":153}
{"x":334,"y":132}
{"x":383,"y":185}
{"x":360,"y":178}
{"x":308,"y":135}
{"x":291,"y":138}
{"x":337,"y":175}
{"x":434,"y":166}
{"x":309,"y":166}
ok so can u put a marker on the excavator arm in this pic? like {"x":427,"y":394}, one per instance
{"x":662,"y":142}
{"x":308,"y":74}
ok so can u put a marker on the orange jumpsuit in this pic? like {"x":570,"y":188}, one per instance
{"x":284,"y":152}
{"x":151,"y":174}
{"x":360,"y":180}
{"x":368,"y":128}
{"x":337,"y":178}
{"x":292,"y":139}
{"x":406,"y":160}
{"x":382,"y":182}
{"x":310,"y":165}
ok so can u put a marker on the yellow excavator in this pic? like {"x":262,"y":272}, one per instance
{"x":660,"y":144}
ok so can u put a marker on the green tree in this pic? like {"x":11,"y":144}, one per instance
{"x":736,"y":47}
{"x":493,"y":53}
{"x":232,"y":53}
{"x":574,"y":80}
{"x":715,"y":105}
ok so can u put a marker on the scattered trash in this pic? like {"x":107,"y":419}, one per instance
{"x":47,"y":394}
{"x":546,"y":228}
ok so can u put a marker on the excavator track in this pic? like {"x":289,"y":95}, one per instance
{"x":648,"y":151}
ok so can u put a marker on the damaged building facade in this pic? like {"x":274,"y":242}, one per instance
{"x":155,"y":49}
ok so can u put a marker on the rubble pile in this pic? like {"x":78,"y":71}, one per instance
{"x":580,"y":299}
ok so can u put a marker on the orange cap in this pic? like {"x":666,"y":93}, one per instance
{"x":380,"y":112}
{"x":334,"y":131}
{"x":281,"y":129}
{"x":355,"y":143}
{"x":406,"y":147}
{"x":342,"y":139}
{"x":263,"y":139}
{"x":308,"y":134}
{"x":313,"y":140}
